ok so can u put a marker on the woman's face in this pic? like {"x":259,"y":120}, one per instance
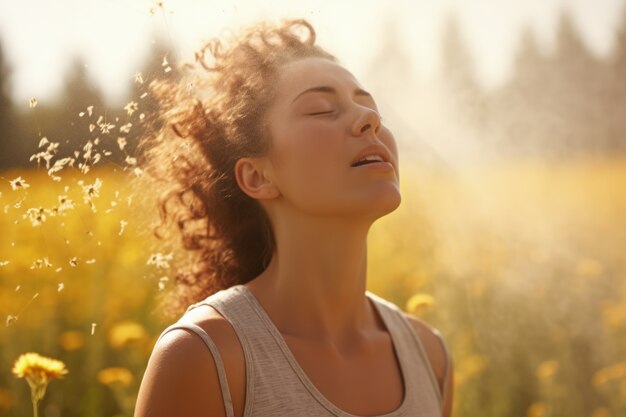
{"x":320,"y":122}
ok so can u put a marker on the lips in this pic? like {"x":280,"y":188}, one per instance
{"x":372,"y":150}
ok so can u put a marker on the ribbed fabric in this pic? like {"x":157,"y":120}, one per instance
{"x":277,"y":386}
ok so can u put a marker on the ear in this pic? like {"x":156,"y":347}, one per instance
{"x":252,"y":178}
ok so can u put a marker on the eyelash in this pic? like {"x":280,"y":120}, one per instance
{"x":330,"y":111}
{"x":321,"y":112}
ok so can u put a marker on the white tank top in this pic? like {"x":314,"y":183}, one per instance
{"x":277,"y":386}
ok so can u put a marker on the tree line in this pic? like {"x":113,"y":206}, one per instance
{"x":565,"y":102}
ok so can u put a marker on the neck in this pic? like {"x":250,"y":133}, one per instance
{"x":314,"y":286}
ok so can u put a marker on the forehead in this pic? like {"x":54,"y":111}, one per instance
{"x":303,"y":73}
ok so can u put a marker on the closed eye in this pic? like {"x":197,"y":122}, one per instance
{"x":320,"y":112}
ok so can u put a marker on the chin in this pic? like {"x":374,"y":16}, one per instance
{"x":383,"y":203}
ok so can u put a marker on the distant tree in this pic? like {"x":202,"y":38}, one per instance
{"x":459,"y":73}
{"x":10,"y":150}
{"x":576,"y":91}
{"x":553,"y":104}
{"x":616,"y":95}
{"x":516,"y":111}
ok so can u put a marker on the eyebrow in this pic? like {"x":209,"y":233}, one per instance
{"x":328,"y":89}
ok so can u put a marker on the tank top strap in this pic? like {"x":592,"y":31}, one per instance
{"x":221,"y":372}
{"x":411,"y":346}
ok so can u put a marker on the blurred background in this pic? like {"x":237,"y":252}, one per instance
{"x":510,"y":119}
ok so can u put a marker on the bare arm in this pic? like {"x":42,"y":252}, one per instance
{"x":180,"y":379}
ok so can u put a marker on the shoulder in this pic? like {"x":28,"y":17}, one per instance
{"x":435,"y":347}
{"x":182,"y":378}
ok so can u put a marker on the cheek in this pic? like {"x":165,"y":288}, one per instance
{"x":312,"y":161}
{"x":315,"y":147}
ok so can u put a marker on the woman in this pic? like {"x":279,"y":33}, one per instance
{"x":278,"y":165}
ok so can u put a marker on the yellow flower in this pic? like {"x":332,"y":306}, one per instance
{"x":111,"y":376}
{"x":125,"y":332}
{"x":536,"y":409}
{"x":547,"y":369}
{"x":71,"y":340}
{"x":39,"y":368}
{"x":38,"y":371}
{"x":613,"y":372}
{"x":601,"y":412}
{"x":420,"y":303}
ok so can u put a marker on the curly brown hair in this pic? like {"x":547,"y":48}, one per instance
{"x":209,"y":118}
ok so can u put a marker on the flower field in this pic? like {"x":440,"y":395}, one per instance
{"x":521,"y":265}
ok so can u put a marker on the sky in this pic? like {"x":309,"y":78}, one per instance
{"x":39,"y":37}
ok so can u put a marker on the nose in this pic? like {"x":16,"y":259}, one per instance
{"x":368,"y":119}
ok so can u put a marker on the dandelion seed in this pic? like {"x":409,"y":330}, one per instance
{"x":91,"y":191}
{"x":93,"y":328}
{"x":126,"y":128}
{"x":123,"y":224}
{"x":142,"y":116}
{"x":167,"y":69}
{"x":160,"y":260}
{"x":40,"y":263}
{"x":32,"y":102}
{"x":162,"y":282}
{"x":19,"y":183}
{"x":131,"y":107}
{"x":11,"y":320}
{"x":65,"y":203}
{"x":59,"y":269}
{"x":18,"y":288}
{"x":3,"y":263}
{"x":81,"y":114}
{"x":121,"y":142}
{"x":106,"y":127}
{"x":138,"y":78}
{"x":36,"y":216}
{"x":43,"y":141}
{"x":143,"y":95}
{"x":138,"y":171}
{"x":53,"y":147}
{"x":130,"y":160}
{"x":91,"y":127}
{"x":73,"y":261}
{"x":90,"y":261}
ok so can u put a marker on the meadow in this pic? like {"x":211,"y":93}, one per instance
{"x":520,"y":264}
